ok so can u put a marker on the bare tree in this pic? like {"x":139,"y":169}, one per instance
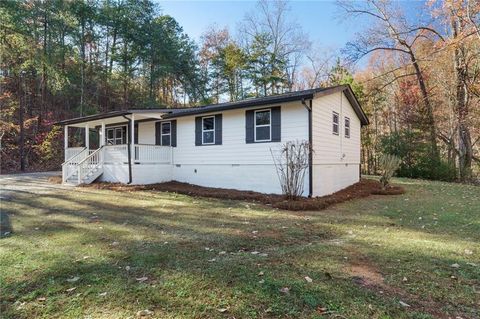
{"x":291,"y":163}
{"x":391,"y":32}
{"x":289,"y":42}
{"x":318,"y":64}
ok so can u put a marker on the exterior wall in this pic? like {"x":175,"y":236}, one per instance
{"x":146,"y":132}
{"x":236,"y":164}
{"x":142,"y":174}
{"x":336,"y":159}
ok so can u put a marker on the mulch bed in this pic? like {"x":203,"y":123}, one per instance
{"x":364,"y":188}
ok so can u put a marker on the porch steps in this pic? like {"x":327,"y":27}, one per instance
{"x":88,"y":179}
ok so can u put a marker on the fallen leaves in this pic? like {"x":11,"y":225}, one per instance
{"x":73,"y":279}
{"x":284,"y":290}
{"x":308,"y":279}
{"x":141,"y":279}
{"x":144,"y":313}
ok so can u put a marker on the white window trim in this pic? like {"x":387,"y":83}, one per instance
{"x":162,"y":135}
{"x":262,"y":125}
{"x":212,"y":130}
{"x":114,"y":135}
{"x":338,"y":123}
{"x":347,"y":119}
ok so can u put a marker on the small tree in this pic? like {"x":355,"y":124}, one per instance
{"x":389,"y":163}
{"x":291,"y":164}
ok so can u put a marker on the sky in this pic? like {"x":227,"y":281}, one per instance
{"x":319,"y":19}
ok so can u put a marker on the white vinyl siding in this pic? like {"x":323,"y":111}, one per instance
{"x":234,"y":150}
{"x":336,"y":158}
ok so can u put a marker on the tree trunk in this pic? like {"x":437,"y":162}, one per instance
{"x":21,"y":92}
{"x":430,"y":120}
{"x":465,"y":151}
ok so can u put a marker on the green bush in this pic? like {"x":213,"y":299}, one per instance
{"x":416,"y":161}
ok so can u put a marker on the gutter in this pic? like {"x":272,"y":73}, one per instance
{"x":129,"y":148}
{"x":310,"y":152}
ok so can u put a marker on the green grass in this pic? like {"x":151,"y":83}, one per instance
{"x":364,"y":256}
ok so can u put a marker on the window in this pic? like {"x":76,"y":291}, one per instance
{"x":263,"y":125}
{"x":208,"y":130}
{"x":115,"y":135}
{"x":166,"y":133}
{"x":347,"y":127}
{"x":335,"y":127}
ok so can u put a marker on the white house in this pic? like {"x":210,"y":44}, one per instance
{"x":225,"y":145}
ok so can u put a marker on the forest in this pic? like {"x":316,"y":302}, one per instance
{"x":417,"y":78}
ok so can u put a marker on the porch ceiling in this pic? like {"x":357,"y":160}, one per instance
{"x":112,"y":119}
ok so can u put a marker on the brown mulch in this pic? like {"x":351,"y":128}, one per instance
{"x":364,"y":188}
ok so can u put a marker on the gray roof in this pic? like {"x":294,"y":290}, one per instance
{"x":273,"y":99}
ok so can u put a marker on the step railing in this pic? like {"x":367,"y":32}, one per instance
{"x":71,"y":152}
{"x":89,"y":164}
{"x":69,"y":167}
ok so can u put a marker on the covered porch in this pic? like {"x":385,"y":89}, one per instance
{"x":112,"y":147}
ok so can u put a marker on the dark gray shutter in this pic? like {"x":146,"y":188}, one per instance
{"x":276,"y":124}
{"x":126,"y":134}
{"x":198,"y":131}
{"x":158,"y":140}
{"x":249,"y":126}
{"x":218,"y":129}
{"x":135,"y":134}
{"x":173,"y":132}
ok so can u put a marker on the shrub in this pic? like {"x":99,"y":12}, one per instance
{"x":291,"y":164}
{"x":388,"y":164}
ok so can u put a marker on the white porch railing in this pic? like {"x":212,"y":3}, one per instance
{"x":69,"y":168}
{"x":90,"y":163}
{"x":116,"y":154}
{"x":146,"y":153}
{"x":72,"y":151}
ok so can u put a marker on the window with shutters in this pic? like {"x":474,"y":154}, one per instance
{"x":347,"y":127}
{"x":335,"y":123}
{"x":166,"y":133}
{"x":208,"y":130}
{"x":263,"y":126}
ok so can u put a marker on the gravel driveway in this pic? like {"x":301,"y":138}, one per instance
{"x":32,"y":184}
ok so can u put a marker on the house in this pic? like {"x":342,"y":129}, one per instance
{"x":225,"y":145}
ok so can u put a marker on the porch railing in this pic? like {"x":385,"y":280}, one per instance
{"x":90,"y":163}
{"x":146,"y":153}
{"x":72,"y":151}
{"x":116,"y":153}
{"x":70,"y":166}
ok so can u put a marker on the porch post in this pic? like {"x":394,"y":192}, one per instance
{"x":132,"y":135}
{"x":65,"y":141}
{"x":102,"y":135}
{"x":87,"y":136}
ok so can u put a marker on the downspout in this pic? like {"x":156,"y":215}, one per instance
{"x":129,"y":142}
{"x":310,"y":152}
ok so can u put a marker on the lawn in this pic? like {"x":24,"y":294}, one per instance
{"x":89,"y":253}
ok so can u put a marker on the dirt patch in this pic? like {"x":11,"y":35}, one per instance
{"x":367,"y":275}
{"x":361,"y":189}
{"x":55,"y":180}
{"x":391,"y":190}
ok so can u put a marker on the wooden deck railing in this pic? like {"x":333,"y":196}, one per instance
{"x":146,"y":153}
